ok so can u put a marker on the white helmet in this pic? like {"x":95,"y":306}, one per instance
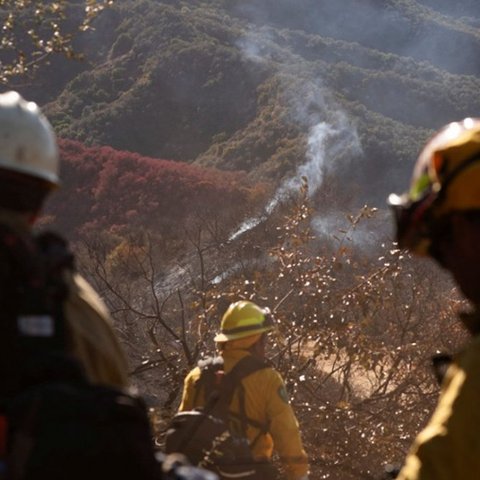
{"x":27,"y":141}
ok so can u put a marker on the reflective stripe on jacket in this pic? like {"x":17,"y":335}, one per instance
{"x":448,"y":448}
{"x":265,"y":403}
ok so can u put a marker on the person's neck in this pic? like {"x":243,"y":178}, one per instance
{"x":20,"y":221}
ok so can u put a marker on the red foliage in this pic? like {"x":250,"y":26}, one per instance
{"x":104,"y":188}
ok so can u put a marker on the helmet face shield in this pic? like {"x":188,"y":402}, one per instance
{"x":411,"y":225}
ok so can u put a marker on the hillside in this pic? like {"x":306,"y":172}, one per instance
{"x":106,"y":190}
{"x":185,"y":132}
{"x":415,"y":29}
{"x":240,"y":85}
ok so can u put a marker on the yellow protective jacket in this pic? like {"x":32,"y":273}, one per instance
{"x":89,"y":328}
{"x":93,"y":340}
{"x":265,"y":402}
{"x":448,"y":448}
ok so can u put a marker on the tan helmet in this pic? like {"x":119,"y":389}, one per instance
{"x":27,"y":141}
{"x":243,"y":319}
{"x":446,"y":179}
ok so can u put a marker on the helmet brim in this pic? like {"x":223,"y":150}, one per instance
{"x":227,"y":337}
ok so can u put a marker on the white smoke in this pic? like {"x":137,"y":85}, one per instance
{"x":362,"y":231}
{"x":329,"y":129}
{"x":312,"y":170}
{"x":324,"y":141}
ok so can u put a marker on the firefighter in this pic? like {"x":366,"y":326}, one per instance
{"x":243,"y":332}
{"x":29,"y":172}
{"x":98,"y":411}
{"x":439,"y":217}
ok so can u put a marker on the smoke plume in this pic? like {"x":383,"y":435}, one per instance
{"x":328,"y":129}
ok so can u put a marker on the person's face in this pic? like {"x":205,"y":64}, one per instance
{"x":260,"y":346}
{"x":459,"y":252}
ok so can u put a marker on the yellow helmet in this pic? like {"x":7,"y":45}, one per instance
{"x":446,"y":179}
{"x":243,"y":319}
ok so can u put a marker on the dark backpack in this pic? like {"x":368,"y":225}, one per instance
{"x":58,"y":425}
{"x":78,"y":431}
{"x":32,"y":293}
{"x":213,"y":437}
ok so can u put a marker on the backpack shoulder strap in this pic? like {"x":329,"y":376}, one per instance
{"x":32,"y":295}
{"x":56,"y":250}
{"x":223,"y":387}
{"x":233,"y":382}
{"x":57,"y":258}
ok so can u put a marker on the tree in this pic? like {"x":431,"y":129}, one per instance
{"x":355,"y":329}
{"x":33,"y":31}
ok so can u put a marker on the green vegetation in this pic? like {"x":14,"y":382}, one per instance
{"x":220,"y":83}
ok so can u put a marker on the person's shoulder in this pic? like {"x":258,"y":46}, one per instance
{"x":274,"y":374}
{"x":194,"y":374}
{"x":268,"y":375}
{"x":82,"y":292}
{"x":270,"y":382}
